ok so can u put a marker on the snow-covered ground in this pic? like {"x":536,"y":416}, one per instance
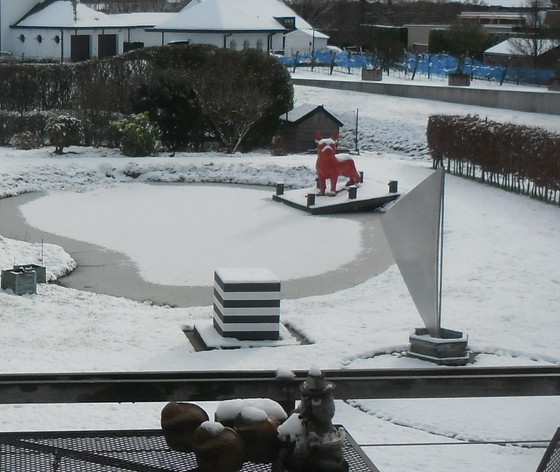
{"x":501,"y":284}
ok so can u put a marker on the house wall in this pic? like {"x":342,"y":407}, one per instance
{"x":419,"y":36}
{"x":140,"y":35}
{"x":10,"y":12}
{"x":49,"y":48}
{"x":38,"y":43}
{"x":298,"y":41}
{"x":217,"y":39}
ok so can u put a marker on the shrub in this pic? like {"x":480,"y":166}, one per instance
{"x":193,"y":93}
{"x":12,"y":123}
{"x":173,"y":105}
{"x":98,"y":130}
{"x":63,"y":131}
{"x":138,"y":136}
{"x":27,"y":140}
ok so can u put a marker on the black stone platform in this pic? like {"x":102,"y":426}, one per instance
{"x":135,"y":450}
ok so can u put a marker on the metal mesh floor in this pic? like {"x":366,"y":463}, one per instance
{"x":551,"y":459}
{"x":112,"y":451}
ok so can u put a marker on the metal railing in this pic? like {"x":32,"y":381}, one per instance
{"x":222,"y":385}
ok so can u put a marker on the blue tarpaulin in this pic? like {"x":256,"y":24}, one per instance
{"x":427,"y":64}
{"x":442,"y":65}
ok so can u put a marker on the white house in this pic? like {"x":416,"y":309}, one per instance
{"x":10,"y":12}
{"x":68,"y":30}
{"x":64,"y":30}
{"x":224,"y":23}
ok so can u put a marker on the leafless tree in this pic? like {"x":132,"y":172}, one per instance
{"x":232,"y":101}
{"x":535,"y":37}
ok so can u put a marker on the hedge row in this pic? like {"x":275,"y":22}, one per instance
{"x":518,"y":158}
{"x":168,"y":82}
{"x":31,"y":126}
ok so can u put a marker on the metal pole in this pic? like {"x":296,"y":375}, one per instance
{"x":356,"y":137}
{"x":440,"y":254}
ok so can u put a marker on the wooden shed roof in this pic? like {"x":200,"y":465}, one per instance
{"x":305,"y":111}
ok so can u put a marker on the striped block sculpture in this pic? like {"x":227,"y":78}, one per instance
{"x":247,"y":304}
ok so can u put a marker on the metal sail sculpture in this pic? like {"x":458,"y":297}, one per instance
{"x":414,"y":230}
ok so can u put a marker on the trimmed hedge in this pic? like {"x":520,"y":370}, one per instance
{"x":518,"y":158}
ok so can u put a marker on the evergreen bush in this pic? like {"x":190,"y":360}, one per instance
{"x":137,"y":135}
{"x":13,"y":123}
{"x":63,"y":131}
{"x":27,"y":140}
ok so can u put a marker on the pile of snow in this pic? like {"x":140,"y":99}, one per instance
{"x":54,"y":258}
{"x":228,"y":410}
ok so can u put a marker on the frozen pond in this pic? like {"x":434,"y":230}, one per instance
{"x":163,"y":242}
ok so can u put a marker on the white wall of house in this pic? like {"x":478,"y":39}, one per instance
{"x":55,"y":44}
{"x":140,"y":35}
{"x":10,"y":12}
{"x":237,"y":41}
{"x":36,"y":43}
{"x":304,"y":42}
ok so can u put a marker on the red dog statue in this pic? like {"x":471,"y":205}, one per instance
{"x":329,"y":167}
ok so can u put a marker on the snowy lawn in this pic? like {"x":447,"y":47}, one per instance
{"x":501,"y":286}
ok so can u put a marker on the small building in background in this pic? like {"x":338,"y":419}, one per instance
{"x":300,"y":124}
{"x":518,"y":52}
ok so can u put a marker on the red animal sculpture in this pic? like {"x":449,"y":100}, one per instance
{"x":329,"y":167}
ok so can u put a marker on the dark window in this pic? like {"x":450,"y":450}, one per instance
{"x":288,"y":22}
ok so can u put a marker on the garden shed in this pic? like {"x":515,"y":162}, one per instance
{"x":520,"y":52}
{"x":300,"y":124}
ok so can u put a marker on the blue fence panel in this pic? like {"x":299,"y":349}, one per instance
{"x":443,"y":64}
{"x":341,"y":59}
{"x":428,"y":64}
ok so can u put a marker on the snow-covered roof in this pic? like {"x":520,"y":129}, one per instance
{"x":276,"y":9}
{"x":301,"y":112}
{"x":142,"y":19}
{"x":510,"y":47}
{"x":221,"y":15}
{"x":60,"y":14}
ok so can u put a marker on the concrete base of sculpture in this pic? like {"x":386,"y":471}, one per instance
{"x":449,"y":349}
{"x":209,"y":338}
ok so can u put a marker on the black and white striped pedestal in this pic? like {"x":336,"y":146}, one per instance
{"x":247,"y":304}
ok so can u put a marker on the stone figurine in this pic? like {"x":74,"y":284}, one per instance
{"x":316,"y":445}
